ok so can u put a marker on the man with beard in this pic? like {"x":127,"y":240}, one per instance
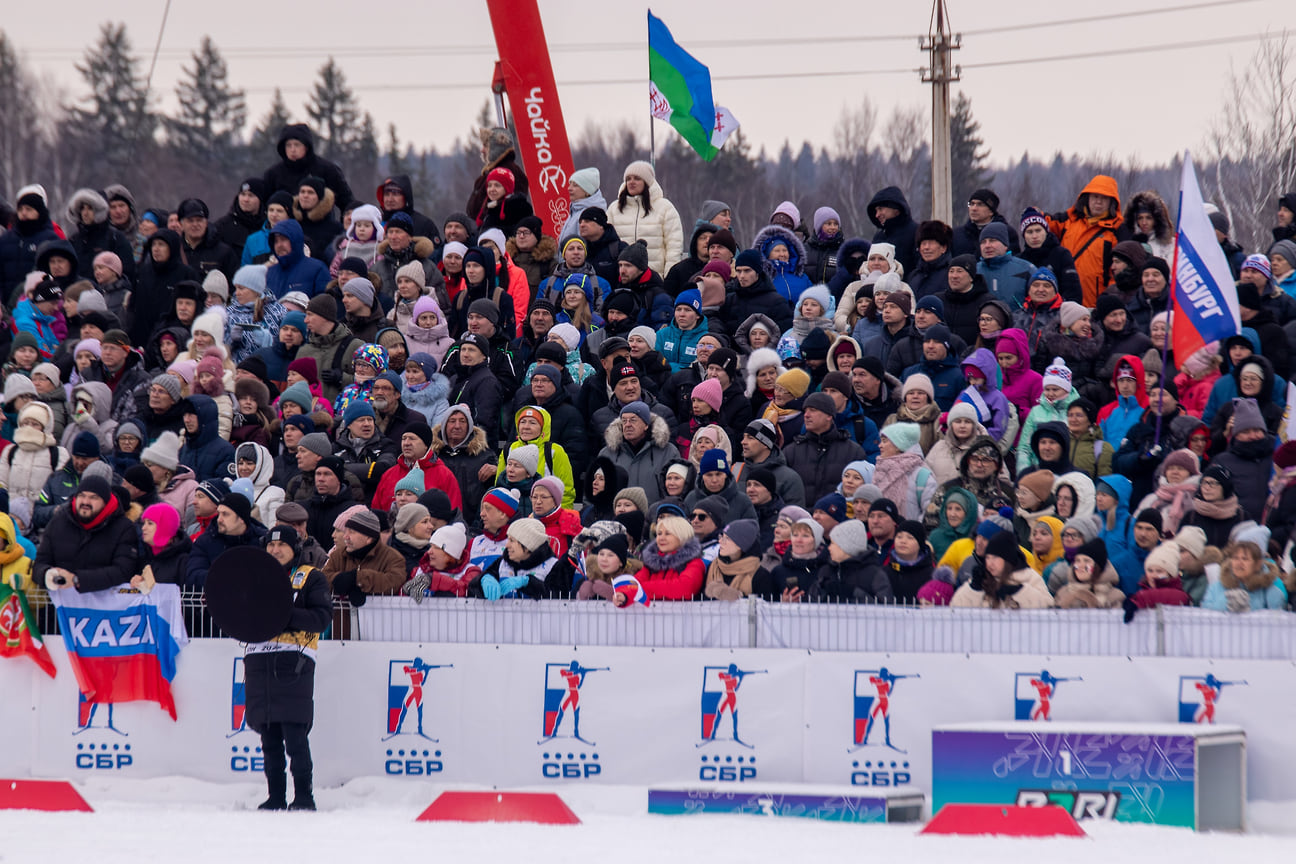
{"x":89,"y":545}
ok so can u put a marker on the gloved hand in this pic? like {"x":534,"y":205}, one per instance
{"x":449,"y":584}
{"x":1212,"y":573}
{"x":344,"y":583}
{"x":417,"y":586}
{"x":55,"y":580}
{"x":357,"y":596}
{"x":1130,"y":609}
{"x":491,"y":588}
{"x":1007,"y":590}
{"x":509,"y":584}
{"x":978,"y":577}
{"x":331,"y":377}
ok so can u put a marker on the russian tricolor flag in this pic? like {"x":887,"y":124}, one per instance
{"x":122,"y":644}
{"x":1205,"y":297}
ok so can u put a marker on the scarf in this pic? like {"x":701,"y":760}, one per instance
{"x":410,"y":540}
{"x":892,"y":477}
{"x":736,"y":573}
{"x":926,"y":419}
{"x":777,"y":415}
{"x":1226,"y":509}
{"x":801,"y":327}
{"x":1177,"y":495}
{"x":12,"y":552}
{"x":1283,"y":477}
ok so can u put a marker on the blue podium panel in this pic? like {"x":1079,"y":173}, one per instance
{"x":791,"y":801}
{"x":1187,"y":775}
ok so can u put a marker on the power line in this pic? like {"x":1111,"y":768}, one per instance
{"x":1062,"y":22}
{"x":1116,"y":52}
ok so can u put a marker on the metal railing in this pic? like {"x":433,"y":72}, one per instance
{"x":753,"y":623}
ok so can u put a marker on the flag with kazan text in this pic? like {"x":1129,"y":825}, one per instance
{"x":1206,"y":304}
{"x":679,"y":92}
{"x":122,"y":644}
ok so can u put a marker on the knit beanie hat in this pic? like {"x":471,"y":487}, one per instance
{"x":834,"y":504}
{"x":1040,"y":483}
{"x":647,"y":334}
{"x":936,"y":592}
{"x":529,"y":532}
{"x":903,"y":435}
{"x":1058,"y":374}
{"x":795,"y":381}
{"x":413,"y":271}
{"x":618,"y":544}
{"x":1192,"y":540}
{"x":324,"y":306}
{"x":1183,"y":458}
{"x":744,"y":533}
{"x":164,"y":452}
{"x":553,"y":485}
{"x":170,"y":384}
{"x":1070,"y":313}
{"x":710,"y":392}
{"x":1082,"y":525}
{"x":636,"y":254}
{"x":587,"y":179}
{"x":1164,"y":556}
{"x":851,"y":537}
{"x":635,"y":495}
{"x":714,"y":459}
{"x":821,"y":402}
{"x":452,"y":538}
{"x":365,"y":522}
{"x":1097,"y":551}
{"x":1246,"y":415}
{"x":1149,"y":516}
{"x":528,"y":456}
{"x":994,"y":231}
{"x":411,"y":482}
{"x":317,"y":443}
{"x":815,"y":528}
{"x":916,"y":381}
{"x":504,"y":500}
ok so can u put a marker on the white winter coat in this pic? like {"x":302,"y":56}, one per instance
{"x":25,"y":464}
{"x":661,"y":228}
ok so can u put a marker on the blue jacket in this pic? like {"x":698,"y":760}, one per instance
{"x":855,"y":246}
{"x":1121,"y":548}
{"x":788,"y":277}
{"x":1007,"y":278}
{"x":207,"y":453}
{"x":1225,"y":389}
{"x":946,"y":377}
{"x":256,"y":249}
{"x":861,"y":429}
{"x":29,"y":319}
{"x":294,"y":271}
{"x":1117,"y":424}
{"x":679,"y":347}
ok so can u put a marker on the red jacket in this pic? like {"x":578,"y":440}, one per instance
{"x":435,"y":476}
{"x":561,"y":525}
{"x":677,"y":576}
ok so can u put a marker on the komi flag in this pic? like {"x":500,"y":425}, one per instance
{"x":679,"y":92}
{"x":1206,"y":304}
{"x":19,"y":634}
{"x":123,"y":644}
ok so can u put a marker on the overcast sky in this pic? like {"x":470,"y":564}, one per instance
{"x":438,"y":56}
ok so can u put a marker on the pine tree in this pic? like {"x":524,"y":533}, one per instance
{"x":395,"y":158}
{"x":265,"y":137}
{"x":114,"y":125}
{"x":333,"y":109}
{"x":967,"y":156}
{"x":363,"y":167}
{"x":207,"y":128}
{"x":22,"y":132}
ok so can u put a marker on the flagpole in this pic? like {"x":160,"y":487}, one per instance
{"x":1165,"y":346}
{"x":652,"y":131}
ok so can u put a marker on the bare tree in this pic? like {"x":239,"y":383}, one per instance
{"x":1251,"y":142}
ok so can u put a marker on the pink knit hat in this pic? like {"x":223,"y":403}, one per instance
{"x":710,"y":392}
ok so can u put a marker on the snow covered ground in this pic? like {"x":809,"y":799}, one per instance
{"x":182,"y":820}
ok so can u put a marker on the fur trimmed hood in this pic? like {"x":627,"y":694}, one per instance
{"x":759,"y":359}
{"x":656,"y":562}
{"x":320,"y":211}
{"x":94,"y":199}
{"x":658,"y":432}
{"x":1262,"y":581}
{"x":422,"y":246}
{"x":545,"y":250}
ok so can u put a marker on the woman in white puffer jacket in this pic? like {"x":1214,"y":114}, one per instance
{"x":642,"y":212}
{"x":27,"y":463}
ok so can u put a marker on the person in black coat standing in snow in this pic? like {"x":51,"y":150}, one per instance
{"x":280,"y":676}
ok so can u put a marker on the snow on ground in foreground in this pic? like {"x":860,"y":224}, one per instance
{"x":177,"y":819}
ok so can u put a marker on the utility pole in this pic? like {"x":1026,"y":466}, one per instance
{"x":940,"y":73}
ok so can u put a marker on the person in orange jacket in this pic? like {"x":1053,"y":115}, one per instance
{"x":1089,"y":230}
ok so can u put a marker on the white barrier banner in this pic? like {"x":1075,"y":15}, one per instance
{"x":526,"y":715}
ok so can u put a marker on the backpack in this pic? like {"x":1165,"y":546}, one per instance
{"x":53,"y":456}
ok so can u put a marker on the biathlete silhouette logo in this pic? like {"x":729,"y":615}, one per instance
{"x":1035,"y":692}
{"x":874,"y":689}
{"x":720,"y":692}
{"x":405,"y":682}
{"x":563,"y":682}
{"x":86,"y":713}
{"x":1198,"y":697}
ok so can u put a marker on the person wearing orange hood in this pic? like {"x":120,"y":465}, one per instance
{"x":1116,"y":417}
{"x":1089,"y":230}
